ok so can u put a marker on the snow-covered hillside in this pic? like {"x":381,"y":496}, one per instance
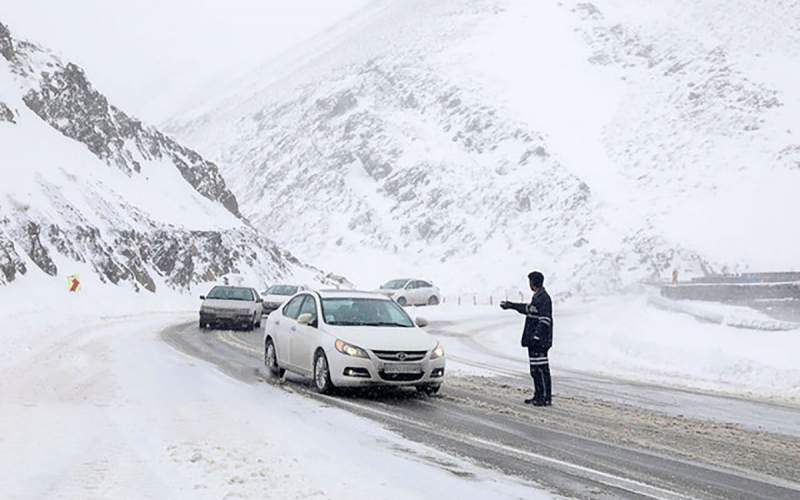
{"x":85,"y":187}
{"x":472,"y":140}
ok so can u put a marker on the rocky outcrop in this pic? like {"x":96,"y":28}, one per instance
{"x":346,"y":150}
{"x":174,"y":256}
{"x":6,"y":114}
{"x":63,"y":96}
{"x":69,"y":103}
{"x":6,"y":44}
{"x":11,"y":264}
{"x":94,"y":217}
{"x":789,"y":156}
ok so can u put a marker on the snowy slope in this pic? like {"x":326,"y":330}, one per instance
{"x":87,"y":187}
{"x":471,"y":140}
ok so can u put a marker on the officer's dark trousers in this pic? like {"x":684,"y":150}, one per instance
{"x":540,"y":371}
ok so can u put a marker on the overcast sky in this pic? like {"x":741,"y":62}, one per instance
{"x":150,"y":56}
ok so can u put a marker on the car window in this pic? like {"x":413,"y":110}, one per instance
{"x":394,"y":284}
{"x":413,"y":285}
{"x":282,"y":290}
{"x":292,"y":309}
{"x":364,"y":312}
{"x":231,"y":293}
{"x":309,"y":306}
{"x":425,"y":284}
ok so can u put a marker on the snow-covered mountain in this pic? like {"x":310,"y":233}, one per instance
{"x":86,"y":187}
{"x":471,"y":140}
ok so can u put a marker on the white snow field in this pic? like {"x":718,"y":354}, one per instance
{"x":93,"y":405}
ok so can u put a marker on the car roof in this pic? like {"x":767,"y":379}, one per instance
{"x":233,"y":286}
{"x":410,"y":279}
{"x":351,"y":294}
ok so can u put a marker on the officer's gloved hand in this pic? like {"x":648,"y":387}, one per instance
{"x":504,"y":304}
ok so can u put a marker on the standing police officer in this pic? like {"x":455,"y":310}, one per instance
{"x":537,"y":336}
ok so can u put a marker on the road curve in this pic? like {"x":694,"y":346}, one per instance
{"x":580,"y":448}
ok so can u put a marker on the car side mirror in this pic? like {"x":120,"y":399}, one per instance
{"x":202,"y":297}
{"x":305,"y":319}
{"x":421,"y":322}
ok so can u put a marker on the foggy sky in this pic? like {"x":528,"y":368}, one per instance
{"x":153,"y":58}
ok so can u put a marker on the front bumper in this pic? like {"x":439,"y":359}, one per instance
{"x":350,"y":371}
{"x":227,"y":319}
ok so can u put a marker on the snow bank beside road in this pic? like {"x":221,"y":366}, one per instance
{"x":724,"y":314}
{"x":626,"y":337}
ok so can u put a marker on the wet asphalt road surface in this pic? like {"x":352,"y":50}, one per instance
{"x":582,"y":447}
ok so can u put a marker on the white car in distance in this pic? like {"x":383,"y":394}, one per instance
{"x":230,"y":307}
{"x":276,"y":295}
{"x":411,"y":292}
{"x":352,"y":339}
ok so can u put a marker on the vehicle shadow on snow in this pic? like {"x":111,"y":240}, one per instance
{"x":382,"y":394}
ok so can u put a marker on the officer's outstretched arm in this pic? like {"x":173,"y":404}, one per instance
{"x":520,"y":308}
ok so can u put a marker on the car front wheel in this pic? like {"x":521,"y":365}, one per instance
{"x":322,"y":374}
{"x":402,"y":301}
{"x":271,"y":360}
{"x":433,"y":301}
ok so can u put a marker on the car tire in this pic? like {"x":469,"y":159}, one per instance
{"x":428,"y":390}
{"x":322,"y":374}
{"x":433,"y":301}
{"x":402,"y":301}
{"x":271,"y":360}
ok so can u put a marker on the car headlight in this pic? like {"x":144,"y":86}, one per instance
{"x":438,"y":351}
{"x":350,"y":350}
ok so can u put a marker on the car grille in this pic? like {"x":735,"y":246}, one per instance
{"x":400,"y":355}
{"x":400,"y":377}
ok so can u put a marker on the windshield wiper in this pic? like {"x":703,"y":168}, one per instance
{"x":388,"y":323}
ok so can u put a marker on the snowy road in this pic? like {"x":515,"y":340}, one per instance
{"x":466,"y":340}
{"x":601,"y":440}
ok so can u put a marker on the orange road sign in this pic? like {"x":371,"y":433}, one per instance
{"x":74,"y":283}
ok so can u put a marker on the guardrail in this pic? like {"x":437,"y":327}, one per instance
{"x":483,"y":299}
{"x":731,"y":292}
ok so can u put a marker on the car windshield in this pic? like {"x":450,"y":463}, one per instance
{"x":230,"y":293}
{"x":364,"y":312}
{"x":282,"y":290}
{"x":394,"y":284}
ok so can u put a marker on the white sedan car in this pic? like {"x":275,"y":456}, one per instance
{"x":276,"y":295}
{"x":350,"y":339}
{"x":411,"y":292}
{"x":230,"y":306}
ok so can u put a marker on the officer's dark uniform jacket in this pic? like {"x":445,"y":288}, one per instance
{"x":538,"y":332}
{"x":538,"y":338}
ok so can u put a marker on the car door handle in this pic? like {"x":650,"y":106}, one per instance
{"x":294,"y":328}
